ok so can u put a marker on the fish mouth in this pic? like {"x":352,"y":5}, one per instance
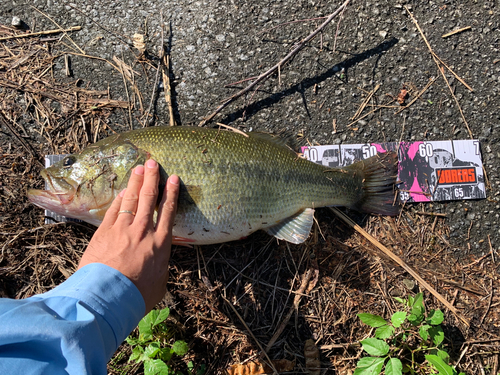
{"x":59,"y":193}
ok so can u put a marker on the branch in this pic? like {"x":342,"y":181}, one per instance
{"x":275,"y":68}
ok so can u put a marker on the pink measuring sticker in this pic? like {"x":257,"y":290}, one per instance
{"x":427,"y":171}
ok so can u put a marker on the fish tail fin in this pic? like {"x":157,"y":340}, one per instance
{"x":379,"y":184}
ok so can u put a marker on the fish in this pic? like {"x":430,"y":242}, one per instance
{"x":232,"y":184}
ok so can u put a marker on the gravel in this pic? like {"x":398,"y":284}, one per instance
{"x":214,"y":43}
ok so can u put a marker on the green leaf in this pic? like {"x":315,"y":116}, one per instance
{"x":418,"y":301}
{"x":443,"y":355}
{"x":156,"y":367}
{"x":165,"y":354}
{"x":152,"y":349}
{"x":180,"y":348}
{"x":398,"y":318}
{"x":394,"y":367}
{"x":416,"y":315}
{"x":203,"y":368}
{"x":146,"y":326}
{"x":423,"y":331}
{"x":439,"y":364}
{"x":437,"y":334}
{"x":132,"y":341}
{"x":384,"y":332}
{"x":372,"y":320}
{"x":369,"y":366}
{"x":137,"y":353}
{"x":411,"y":301}
{"x":401,"y":300}
{"x":162,"y":316}
{"x":375,"y":346}
{"x":435,"y":317}
{"x":150,"y":318}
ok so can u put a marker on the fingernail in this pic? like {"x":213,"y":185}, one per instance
{"x":139,"y":170}
{"x":174,"y":179}
{"x":122,"y":193}
{"x":151,"y":163}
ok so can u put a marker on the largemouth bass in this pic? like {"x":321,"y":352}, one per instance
{"x":231,"y":184}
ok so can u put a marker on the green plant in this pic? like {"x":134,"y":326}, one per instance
{"x":412,"y":342}
{"x":152,"y":345}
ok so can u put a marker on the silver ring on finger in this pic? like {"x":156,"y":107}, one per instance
{"x":126,"y":212}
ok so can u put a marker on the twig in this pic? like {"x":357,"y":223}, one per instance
{"x":94,"y":57}
{"x":27,"y":35}
{"x":476,"y":261}
{"x":102,"y":27}
{"x":431,"y":81}
{"x":456,"y":31}
{"x":489,"y":304}
{"x":368,"y":114}
{"x":275,"y":68}
{"x":148,"y":112}
{"x":336,"y":32}
{"x":430,"y":213}
{"x":4,"y":121}
{"x":233,"y":129}
{"x":55,"y":23}
{"x":243,"y":80}
{"x":122,"y":69}
{"x":437,"y":60}
{"x":365,"y":102}
{"x":463,"y":287}
{"x":251,"y":333}
{"x":399,"y":261}
{"x":491,"y":249}
{"x":167,"y":91}
{"x":296,"y":301}
{"x":452,"y":72}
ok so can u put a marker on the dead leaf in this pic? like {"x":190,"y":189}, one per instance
{"x":311,"y":353}
{"x":403,"y":94}
{"x":126,"y":69}
{"x":314,"y":281}
{"x":257,"y":367}
{"x":139,"y":42}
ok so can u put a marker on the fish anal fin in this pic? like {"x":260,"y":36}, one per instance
{"x":294,"y":229}
{"x":182,"y":241}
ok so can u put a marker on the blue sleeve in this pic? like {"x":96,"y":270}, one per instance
{"x":74,"y":328}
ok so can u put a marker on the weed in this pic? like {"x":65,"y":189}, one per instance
{"x":412,"y":342}
{"x":152,"y":345}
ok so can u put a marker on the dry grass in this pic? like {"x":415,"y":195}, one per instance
{"x":231,"y":300}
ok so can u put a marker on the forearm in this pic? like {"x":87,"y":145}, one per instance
{"x":74,"y":328}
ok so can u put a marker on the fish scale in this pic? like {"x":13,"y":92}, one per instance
{"x":234,"y":184}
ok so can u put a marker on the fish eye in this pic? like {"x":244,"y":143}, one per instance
{"x":68,"y":161}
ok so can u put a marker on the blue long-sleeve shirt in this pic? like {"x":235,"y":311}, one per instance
{"x":74,"y":328}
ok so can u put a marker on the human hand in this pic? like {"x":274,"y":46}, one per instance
{"x":133,"y":244}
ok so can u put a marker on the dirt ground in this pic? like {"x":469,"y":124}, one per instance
{"x":60,"y":93}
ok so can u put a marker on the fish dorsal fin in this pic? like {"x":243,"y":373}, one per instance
{"x":284,"y":141}
{"x":294,"y":229}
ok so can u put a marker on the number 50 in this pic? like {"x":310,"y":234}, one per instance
{"x":368,"y":151}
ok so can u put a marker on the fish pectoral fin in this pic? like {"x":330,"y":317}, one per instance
{"x":294,"y":229}
{"x":190,"y":195}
